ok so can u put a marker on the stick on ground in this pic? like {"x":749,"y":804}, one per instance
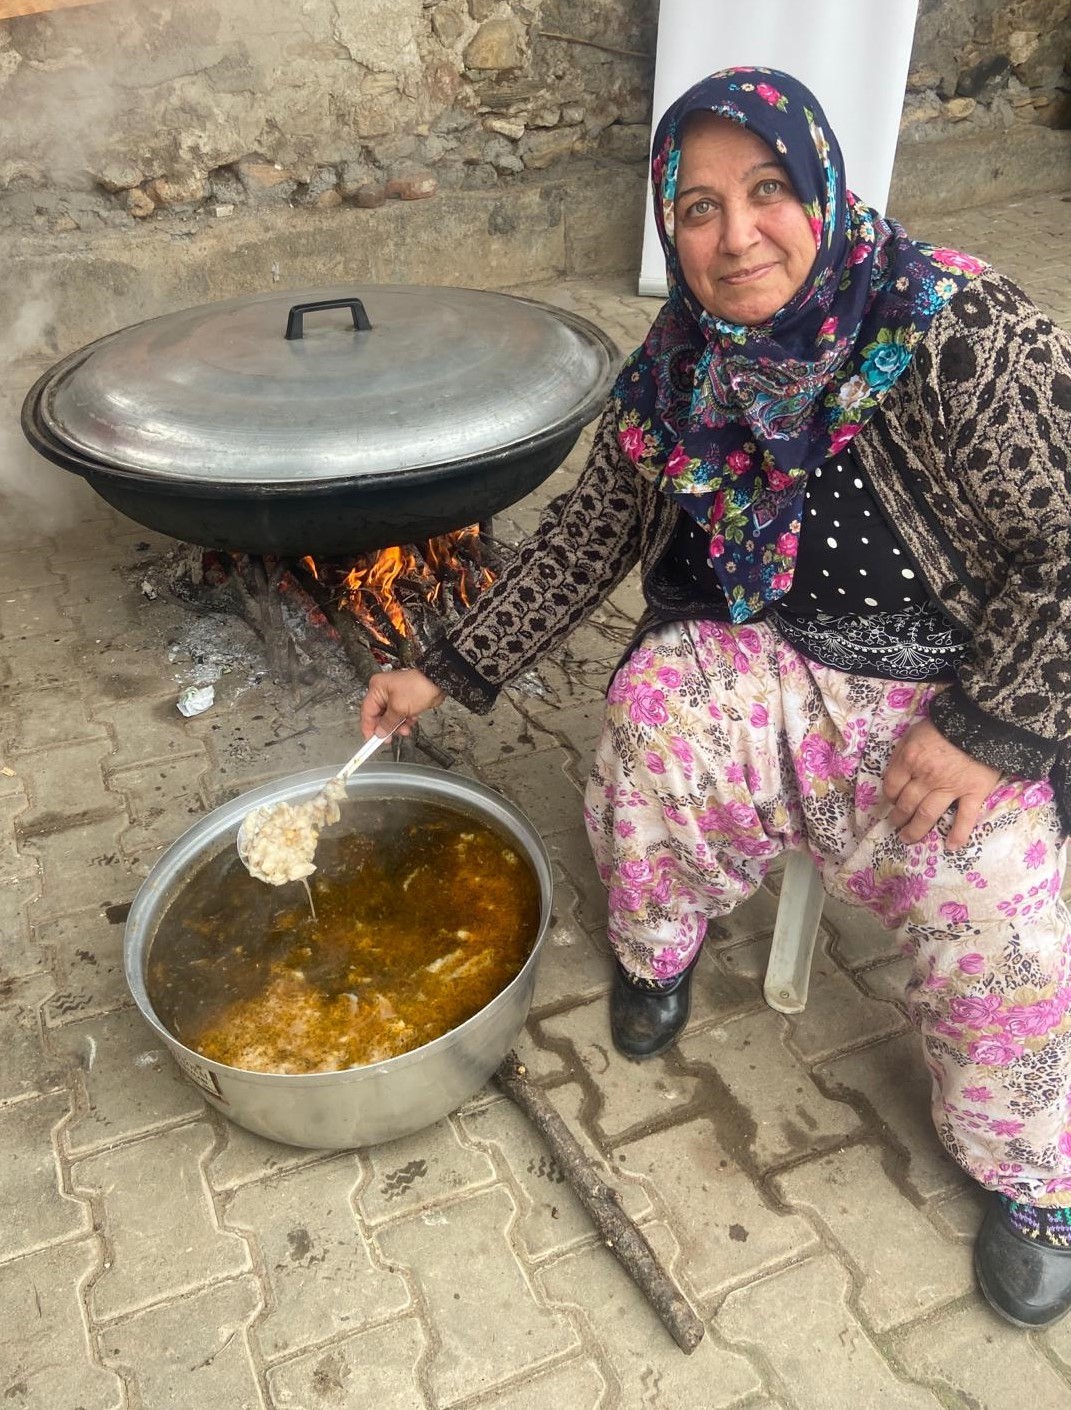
{"x":603,"y":1203}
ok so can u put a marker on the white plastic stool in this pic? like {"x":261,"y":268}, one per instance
{"x":799,"y":910}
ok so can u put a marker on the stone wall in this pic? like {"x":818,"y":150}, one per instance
{"x":177,"y":146}
{"x":118,"y":111}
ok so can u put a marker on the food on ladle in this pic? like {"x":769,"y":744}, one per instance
{"x":277,"y":841}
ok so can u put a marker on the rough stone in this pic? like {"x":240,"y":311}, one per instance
{"x":421,"y":1171}
{"x":447,"y":24}
{"x":956,"y":109}
{"x":38,"y":1213}
{"x":369,"y":197}
{"x":266,"y":181}
{"x":179,"y":191}
{"x":540,"y":149}
{"x":414,"y":186}
{"x":139,"y":203}
{"x":505,"y":127}
{"x":498,"y":44}
{"x":376,"y":1368}
{"x":119,"y":176}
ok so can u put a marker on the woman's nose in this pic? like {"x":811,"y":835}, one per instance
{"x":738,"y":231}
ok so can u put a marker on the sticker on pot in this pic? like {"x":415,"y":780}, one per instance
{"x":202,"y":1077}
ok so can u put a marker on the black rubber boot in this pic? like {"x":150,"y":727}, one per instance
{"x":1026,"y":1281}
{"x":646,"y":1019}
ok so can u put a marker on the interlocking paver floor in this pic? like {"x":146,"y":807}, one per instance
{"x":152,"y":1254}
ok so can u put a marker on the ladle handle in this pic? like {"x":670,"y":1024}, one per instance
{"x":366,"y":751}
{"x":295,"y":324}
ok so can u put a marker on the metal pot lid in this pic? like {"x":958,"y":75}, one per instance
{"x":385,"y":379}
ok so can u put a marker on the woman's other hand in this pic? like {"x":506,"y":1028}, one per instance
{"x":926,"y":776}
{"x":397,"y":694}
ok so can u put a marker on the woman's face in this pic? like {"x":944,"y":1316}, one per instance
{"x":744,"y":241}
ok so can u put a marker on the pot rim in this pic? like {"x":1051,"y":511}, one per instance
{"x":416,"y":780}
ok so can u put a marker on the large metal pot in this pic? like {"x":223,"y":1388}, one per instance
{"x":324,"y":421}
{"x":363,"y":1105}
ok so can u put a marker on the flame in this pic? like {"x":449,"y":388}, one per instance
{"x":370,"y":588}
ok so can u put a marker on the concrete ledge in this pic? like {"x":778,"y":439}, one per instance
{"x":588,"y":222}
{"x":938,"y":177}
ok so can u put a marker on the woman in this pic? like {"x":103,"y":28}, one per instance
{"x":841,"y":459}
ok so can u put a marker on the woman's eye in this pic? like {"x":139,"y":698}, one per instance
{"x":771,"y":187}
{"x":701,"y":207}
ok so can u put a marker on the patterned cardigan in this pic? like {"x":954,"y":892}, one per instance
{"x":970,"y":460}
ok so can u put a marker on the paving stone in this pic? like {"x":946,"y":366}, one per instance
{"x":80,"y":866}
{"x":104,"y":603}
{"x":86,"y":952}
{"x":19,"y":953}
{"x":837,"y":1015}
{"x":573,"y":965}
{"x":799,"y":1320}
{"x":45,"y":718}
{"x":26,"y":1069}
{"x":31,"y":612}
{"x":986,"y":1363}
{"x":145,"y":730}
{"x":552,"y":1217}
{"x":578,"y":1385}
{"x":892,"y":1077}
{"x":321,"y":1274}
{"x":38,"y":663}
{"x":129,"y":669}
{"x":132,"y":1085}
{"x":650,"y":1370}
{"x":280,"y":745}
{"x":541,"y":789}
{"x":492,"y":738}
{"x":46,"y":1361}
{"x":906,"y":1268}
{"x":719,"y":990}
{"x":37,"y":1212}
{"x":162,"y":800}
{"x":727,"y":1232}
{"x":241,"y":1157}
{"x":23,"y":568}
{"x":858,"y":937}
{"x":375,"y":1368}
{"x":571,"y":855}
{"x":65,"y":783}
{"x":788,"y":1114}
{"x":887,"y":981}
{"x":421,"y":1171}
{"x":490,"y":1327}
{"x":191,"y":1353}
{"x":960,"y":1215}
{"x":631,"y":1094}
{"x":750,"y":920}
{"x":165,"y":1238}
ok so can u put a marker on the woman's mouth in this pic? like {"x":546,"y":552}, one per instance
{"x":747,"y":276}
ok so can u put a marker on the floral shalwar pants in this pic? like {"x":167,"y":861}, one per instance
{"x":723,"y":746}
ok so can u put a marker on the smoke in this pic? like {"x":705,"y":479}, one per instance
{"x":36,"y":497}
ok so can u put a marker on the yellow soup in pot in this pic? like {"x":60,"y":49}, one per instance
{"x":422,"y":918}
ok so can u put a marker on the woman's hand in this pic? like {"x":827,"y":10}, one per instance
{"x":394,"y":695}
{"x":925,"y":776}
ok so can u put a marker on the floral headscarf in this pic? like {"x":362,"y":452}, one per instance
{"x":730,"y":418}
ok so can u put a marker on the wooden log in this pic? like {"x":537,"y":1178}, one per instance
{"x":619,"y":1233}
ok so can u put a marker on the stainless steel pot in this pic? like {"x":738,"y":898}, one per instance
{"x":363,"y":1105}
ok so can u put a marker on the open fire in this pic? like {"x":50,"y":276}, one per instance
{"x":391,"y":592}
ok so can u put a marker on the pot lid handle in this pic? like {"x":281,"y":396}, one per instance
{"x":295,"y":322}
